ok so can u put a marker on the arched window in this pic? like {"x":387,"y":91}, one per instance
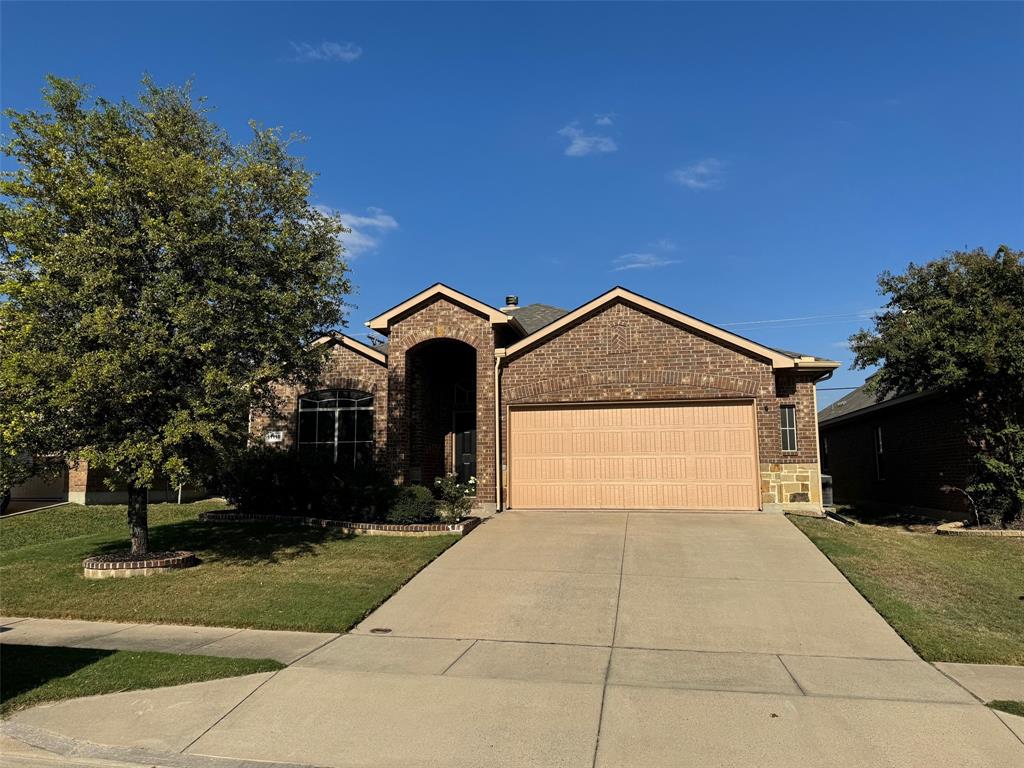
{"x":337,"y":423}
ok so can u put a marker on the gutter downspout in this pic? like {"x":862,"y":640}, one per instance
{"x":817,"y":438}
{"x":498,"y":355}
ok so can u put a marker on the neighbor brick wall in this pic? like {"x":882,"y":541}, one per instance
{"x":623,"y":352}
{"x":441,"y":318}
{"x":925,"y":448}
{"x":344,"y":369}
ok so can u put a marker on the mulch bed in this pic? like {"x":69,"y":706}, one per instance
{"x":372,"y":529}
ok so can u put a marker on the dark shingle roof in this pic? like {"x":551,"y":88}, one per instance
{"x":850,"y":403}
{"x":533,"y":317}
{"x":797,"y":355}
{"x":861,"y":399}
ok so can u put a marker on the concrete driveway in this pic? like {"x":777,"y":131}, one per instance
{"x":589,"y":639}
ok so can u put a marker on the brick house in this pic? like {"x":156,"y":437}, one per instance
{"x":82,"y":484}
{"x":899,"y":451}
{"x":619,"y":403}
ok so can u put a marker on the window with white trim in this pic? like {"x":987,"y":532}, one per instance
{"x":337,"y":423}
{"x":787,"y":422}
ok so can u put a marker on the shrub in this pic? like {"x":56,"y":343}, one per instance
{"x":271,"y":481}
{"x":455,"y":499}
{"x":262,"y":480}
{"x":413,"y":504}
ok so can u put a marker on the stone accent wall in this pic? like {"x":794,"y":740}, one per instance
{"x":788,"y":484}
{"x":345,"y":369}
{"x":624,"y":353}
{"x":442,"y":319}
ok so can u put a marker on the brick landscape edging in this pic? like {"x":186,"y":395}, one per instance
{"x":958,"y":529}
{"x":125,"y":564}
{"x":356,"y":529}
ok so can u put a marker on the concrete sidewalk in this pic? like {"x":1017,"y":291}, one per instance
{"x":989,"y":682}
{"x":285,"y":647}
{"x":583,"y":640}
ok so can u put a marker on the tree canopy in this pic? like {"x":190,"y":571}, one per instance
{"x":158,"y":278}
{"x":957,"y":324}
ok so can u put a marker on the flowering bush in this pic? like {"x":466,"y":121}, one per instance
{"x":455,"y":499}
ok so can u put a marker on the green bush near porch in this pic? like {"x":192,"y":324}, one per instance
{"x":252,"y":574}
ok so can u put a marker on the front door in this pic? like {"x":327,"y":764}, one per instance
{"x":465,"y":445}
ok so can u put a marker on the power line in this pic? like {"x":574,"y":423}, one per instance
{"x":857,"y":315}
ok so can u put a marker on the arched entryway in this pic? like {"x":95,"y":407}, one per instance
{"x":441,"y":392}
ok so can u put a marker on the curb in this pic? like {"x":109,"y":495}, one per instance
{"x":64,"y":746}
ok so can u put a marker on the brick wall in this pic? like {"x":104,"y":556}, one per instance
{"x":622,"y":353}
{"x":441,"y":319}
{"x":924,"y":449}
{"x":345,"y":369}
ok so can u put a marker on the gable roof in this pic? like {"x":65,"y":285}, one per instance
{"x":382,"y":322}
{"x":778,"y":358}
{"x":356,"y":346}
{"x":862,"y":401}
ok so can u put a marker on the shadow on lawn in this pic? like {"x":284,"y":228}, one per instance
{"x":893,"y":516}
{"x":248,"y":543}
{"x":26,"y":667}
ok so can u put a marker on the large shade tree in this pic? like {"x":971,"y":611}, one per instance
{"x":156,"y":278}
{"x":956,"y":325}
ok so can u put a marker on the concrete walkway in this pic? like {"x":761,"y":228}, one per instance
{"x":583,"y":639}
{"x":989,"y":682}
{"x":285,"y":647}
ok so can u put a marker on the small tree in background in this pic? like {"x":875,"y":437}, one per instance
{"x":158,"y":278}
{"x":957,"y":324}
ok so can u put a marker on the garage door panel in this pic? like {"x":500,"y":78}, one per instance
{"x":673,"y":441}
{"x":673,"y":456}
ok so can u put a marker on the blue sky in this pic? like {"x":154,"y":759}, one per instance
{"x":738,"y":162}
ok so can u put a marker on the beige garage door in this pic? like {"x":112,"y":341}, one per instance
{"x":672,"y":456}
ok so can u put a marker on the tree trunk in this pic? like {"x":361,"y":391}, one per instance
{"x":5,"y":500}
{"x":138,"y":519}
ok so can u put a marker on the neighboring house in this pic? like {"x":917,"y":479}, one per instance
{"x":80,"y":484}
{"x":900,"y":450}
{"x":622,"y":403}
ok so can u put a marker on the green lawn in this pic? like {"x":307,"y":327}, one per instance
{"x":34,"y":674}
{"x":1013,"y":707}
{"x":262,"y":575}
{"x":952,"y":598}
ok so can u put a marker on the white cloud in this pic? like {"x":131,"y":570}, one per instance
{"x":641,"y":261}
{"x":580,"y":144}
{"x":604,"y":118}
{"x":367,"y":229}
{"x":664,"y":244}
{"x":704,"y":174}
{"x":326,"y":51}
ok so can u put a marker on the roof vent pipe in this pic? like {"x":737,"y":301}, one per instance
{"x":511,"y":301}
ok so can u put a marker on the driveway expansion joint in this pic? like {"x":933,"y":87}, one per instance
{"x":615,"y":629}
{"x":791,"y":675}
{"x":458,"y":658}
